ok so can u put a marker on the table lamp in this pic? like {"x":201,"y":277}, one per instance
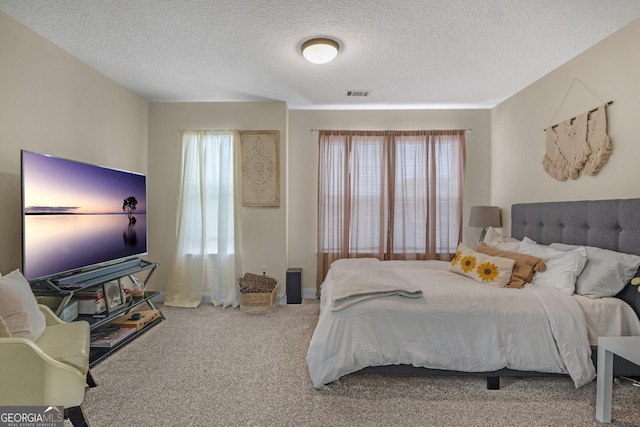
{"x":484,"y":216}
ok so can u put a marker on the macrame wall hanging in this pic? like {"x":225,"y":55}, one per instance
{"x":578,"y":144}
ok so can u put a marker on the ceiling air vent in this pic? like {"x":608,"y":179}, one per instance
{"x":358,"y":92}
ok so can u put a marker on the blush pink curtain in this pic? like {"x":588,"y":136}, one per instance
{"x":392,"y":195}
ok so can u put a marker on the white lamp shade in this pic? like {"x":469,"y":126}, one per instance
{"x":320,"y":51}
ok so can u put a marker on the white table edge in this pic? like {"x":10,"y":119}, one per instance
{"x":625,"y":347}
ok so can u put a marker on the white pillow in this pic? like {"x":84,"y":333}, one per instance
{"x":495,"y":239}
{"x":605,"y":273}
{"x":486,"y":269}
{"x":563,"y":267}
{"x":20,"y":316}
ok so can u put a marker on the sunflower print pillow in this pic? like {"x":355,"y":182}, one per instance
{"x":486,"y":269}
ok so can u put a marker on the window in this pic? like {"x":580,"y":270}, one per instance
{"x":208,"y":192}
{"x":208,"y":235}
{"x":391,"y":194}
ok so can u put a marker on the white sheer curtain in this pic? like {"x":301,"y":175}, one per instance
{"x":208,"y":229}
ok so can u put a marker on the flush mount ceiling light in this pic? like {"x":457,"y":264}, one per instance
{"x":320,"y":51}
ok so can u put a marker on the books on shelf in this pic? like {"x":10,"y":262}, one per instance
{"x":90,"y":301}
{"x":108,"y":337}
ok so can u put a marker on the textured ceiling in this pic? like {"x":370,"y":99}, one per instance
{"x":408,"y":53}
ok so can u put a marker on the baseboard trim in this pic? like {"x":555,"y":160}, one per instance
{"x":282,"y":299}
{"x":308,"y":293}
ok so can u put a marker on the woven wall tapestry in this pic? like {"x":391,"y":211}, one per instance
{"x":260,"y":168}
{"x":578,"y":144}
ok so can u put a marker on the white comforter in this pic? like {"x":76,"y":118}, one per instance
{"x":458,"y":324}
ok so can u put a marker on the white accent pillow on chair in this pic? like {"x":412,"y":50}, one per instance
{"x":20,"y":316}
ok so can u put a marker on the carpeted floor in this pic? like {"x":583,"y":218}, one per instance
{"x":221,"y":367}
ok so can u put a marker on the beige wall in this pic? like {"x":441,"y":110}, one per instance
{"x":50,"y":102}
{"x":610,"y":70}
{"x":303,"y":170}
{"x":263,"y":229}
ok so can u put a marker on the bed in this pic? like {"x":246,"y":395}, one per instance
{"x":424,"y":318}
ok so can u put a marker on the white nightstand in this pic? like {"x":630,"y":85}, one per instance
{"x":625,"y":347}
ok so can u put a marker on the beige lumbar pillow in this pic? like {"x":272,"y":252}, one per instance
{"x":490,"y":270}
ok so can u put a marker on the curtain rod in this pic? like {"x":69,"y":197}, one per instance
{"x":593,"y":110}
{"x":466,"y":130}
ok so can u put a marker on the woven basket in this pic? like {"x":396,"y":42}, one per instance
{"x":259,"y":302}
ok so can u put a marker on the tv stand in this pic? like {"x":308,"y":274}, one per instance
{"x":83,"y":276}
{"x":64,"y":289}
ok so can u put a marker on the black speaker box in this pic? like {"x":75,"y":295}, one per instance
{"x":294,"y":286}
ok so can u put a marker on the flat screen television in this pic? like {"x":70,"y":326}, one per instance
{"x":77,"y":216}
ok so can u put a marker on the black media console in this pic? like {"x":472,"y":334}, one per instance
{"x":65,"y":290}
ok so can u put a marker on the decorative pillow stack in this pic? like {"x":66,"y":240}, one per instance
{"x":584,"y":270}
{"x":20,"y":316}
{"x":524,"y":268}
{"x":483,"y":268}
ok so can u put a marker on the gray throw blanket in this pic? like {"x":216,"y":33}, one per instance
{"x":361,"y":279}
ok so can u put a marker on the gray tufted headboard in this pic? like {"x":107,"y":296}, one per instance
{"x":608,"y":224}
